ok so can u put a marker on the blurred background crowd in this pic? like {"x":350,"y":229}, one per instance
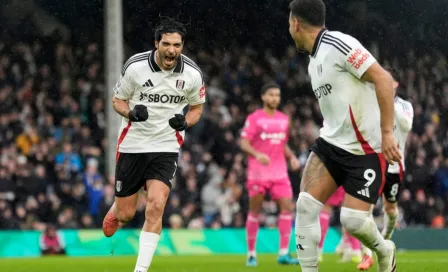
{"x":52,"y":117}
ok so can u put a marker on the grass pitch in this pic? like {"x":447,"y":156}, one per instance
{"x":421,"y":261}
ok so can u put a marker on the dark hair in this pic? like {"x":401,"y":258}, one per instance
{"x":169,"y":25}
{"x":267,"y":86}
{"x":394,"y":74}
{"x":311,"y":11}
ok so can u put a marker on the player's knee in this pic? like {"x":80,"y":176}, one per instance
{"x":353,"y":220}
{"x":124,"y":215}
{"x":391,"y":209}
{"x":307,"y":209}
{"x":154,"y":207}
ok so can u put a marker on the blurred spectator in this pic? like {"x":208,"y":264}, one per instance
{"x":51,"y":242}
{"x":68,"y":160}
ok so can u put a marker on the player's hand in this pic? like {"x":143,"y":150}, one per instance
{"x":295,"y":165}
{"x":262,"y":158}
{"x":178,"y":122}
{"x":138,"y":114}
{"x":389,"y":148}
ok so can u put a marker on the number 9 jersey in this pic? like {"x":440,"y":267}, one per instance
{"x":350,"y":139}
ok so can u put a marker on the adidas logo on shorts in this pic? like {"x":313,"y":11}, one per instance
{"x":364,"y":192}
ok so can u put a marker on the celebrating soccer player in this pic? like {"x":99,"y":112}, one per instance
{"x":153,"y":89}
{"x":356,"y":98}
{"x":264,"y":139}
{"x":404,"y":115}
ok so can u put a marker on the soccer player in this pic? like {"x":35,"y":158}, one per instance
{"x":404,"y":115}
{"x":352,"y":246}
{"x":355,"y":95}
{"x":154,"y":88}
{"x":264,"y":138}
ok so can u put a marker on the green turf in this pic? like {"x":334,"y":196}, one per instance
{"x":407,"y":262}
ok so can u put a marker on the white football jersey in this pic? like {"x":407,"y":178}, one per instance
{"x":164,"y":93}
{"x":404,"y":115}
{"x":348,"y":104}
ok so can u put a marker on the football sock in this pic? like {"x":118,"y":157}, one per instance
{"x":252,"y":226}
{"x":147,"y":246}
{"x":390,"y":220}
{"x":324,"y":219}
{"x":284,"y":229}
{"x":362,"y":226}
{"x":307,"y":231}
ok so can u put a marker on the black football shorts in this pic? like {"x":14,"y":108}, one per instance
{"x":361,"y":176}
{"x":134,"y":169}
{"x":392,"y":187}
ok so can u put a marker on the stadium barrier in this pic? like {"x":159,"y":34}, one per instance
{"x":192,"y":242}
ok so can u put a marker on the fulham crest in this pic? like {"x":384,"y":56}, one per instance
{"x":180,"y":84}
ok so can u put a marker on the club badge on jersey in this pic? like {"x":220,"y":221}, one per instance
{"x":180,"y":84}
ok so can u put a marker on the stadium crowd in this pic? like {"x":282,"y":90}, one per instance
{"x":52,"y":135}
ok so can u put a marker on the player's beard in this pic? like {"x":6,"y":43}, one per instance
{"x":300,"y":48}
{"x":272,"y":106}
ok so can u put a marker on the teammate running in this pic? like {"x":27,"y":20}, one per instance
{"x":352,"y":246}
{"x":404,"y":115}
{"x":264,"y":139}
{"x":356,"y":98}
{"x":151,"y":94}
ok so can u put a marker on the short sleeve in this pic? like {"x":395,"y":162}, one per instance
{"x":355,"y":58}
{"x":124,"y":88}
{"x":249,"y":129}
{"x":196,"y":94}
{"x":405,"y":115}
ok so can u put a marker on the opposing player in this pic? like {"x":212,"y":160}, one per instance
{"x":154,"y":88}
{"x":356,"y":98}
{"x":352,"y":246}
{"x":264,"y":138}
{"x":404,"y":115}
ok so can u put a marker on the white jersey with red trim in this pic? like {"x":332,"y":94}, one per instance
{"x":164,"y":93}
{"x":348,"y":104}
{"x":404,"y":116}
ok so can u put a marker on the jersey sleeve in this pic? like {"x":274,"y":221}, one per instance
{"x":124,"y":88}
{"x":196,"y":94}
{"x":357,"y":60}
{"x":249,"y":129}
{"x":405,"y":115}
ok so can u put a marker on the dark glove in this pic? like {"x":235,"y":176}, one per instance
{"x":138,"y":114}
{"x":178,"y":122}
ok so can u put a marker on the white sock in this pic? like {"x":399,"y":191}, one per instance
{"x":307,"y":231}
{"x":147,"y":246}
{"x":389,"y":224}
{"x":367,"y":251}
{"x":362,"y":226}
{"x":283,"y":251}
{"x":252,"y":254}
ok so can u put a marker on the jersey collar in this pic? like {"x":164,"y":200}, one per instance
{"x":155,"y":67}
{"x":318,"y":41}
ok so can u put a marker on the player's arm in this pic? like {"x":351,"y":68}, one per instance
{"x":295,"y":165}
{"x":247,"y":135}
{"x":121,"y":107}
{"x":123,"y":91}
{"x":385,"y":95}
{"x":248,"y":149}
{"x":361,"y":64}
{"x":194,"y":114}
